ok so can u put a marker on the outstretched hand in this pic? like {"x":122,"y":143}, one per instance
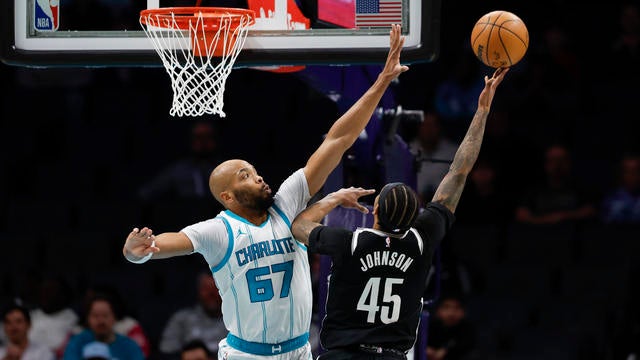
{"x":490,"y":85}
{"x":393,"y":68}
{"x":139,"y":244}
{"x":348,"y":198}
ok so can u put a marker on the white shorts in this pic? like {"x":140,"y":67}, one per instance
{"x":226,"y":352}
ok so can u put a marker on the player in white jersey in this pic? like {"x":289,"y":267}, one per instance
{"x":261,"y":271}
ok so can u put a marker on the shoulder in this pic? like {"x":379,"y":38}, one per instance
{"x":126,"y":341}
{"x":436,"y":209}
{"x":293,"y":195}
{"x":434,"y":216}
{"x":329,"y":239}
{"x":214,"y":221}
{"x":206,"y":227}
{"x":296,"y":180}
{"x":324,"y":231}
{"x":81,"y":338}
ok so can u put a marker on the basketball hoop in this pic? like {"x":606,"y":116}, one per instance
{"x":198,"y":47}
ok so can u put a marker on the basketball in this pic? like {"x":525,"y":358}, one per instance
{"x":499,"y":39}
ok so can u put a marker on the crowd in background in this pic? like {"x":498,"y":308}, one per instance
{"x":88,"y":154}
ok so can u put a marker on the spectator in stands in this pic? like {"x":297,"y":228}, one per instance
{"x":196,"y":350}
{"x":431,"y":144}
{"x":451,"y":335}
{"x":100,"y":321}
{"x":125,"y":324}
{"x":16,"y":322}
{"x":53,"y":321}
{"x":202,"y":321}
{"x":558,"y":198}
{"x":622,"y":204}
{"x":188,"y":177}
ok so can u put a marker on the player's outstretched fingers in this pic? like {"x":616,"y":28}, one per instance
{"x":151,"y":243}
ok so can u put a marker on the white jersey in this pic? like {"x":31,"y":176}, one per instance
{"x":262,"y":273}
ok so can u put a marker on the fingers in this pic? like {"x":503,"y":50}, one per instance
{"x":402,"y":39}
{"x":365,"y":192}
{"x":133,"y":233}
{"x":359,"y":192}
{"x":394,"y":33}
{"x":498,"y":76}
{"x":152,"y":246}
{"x":145,"y":235}
{"x":363,"y":209}
{"x":349,"y":198}
{"x":500,"y":72}
{"x":396,"y":40}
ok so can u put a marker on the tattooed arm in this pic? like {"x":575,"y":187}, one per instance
{"x":450,"y":189}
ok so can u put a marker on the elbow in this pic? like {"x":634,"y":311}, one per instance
{"x":299,"y":227}
{"x":296,"y":230}
{"x":341,"y":143}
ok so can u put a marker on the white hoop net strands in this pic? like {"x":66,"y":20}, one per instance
{"x":198,"y":51}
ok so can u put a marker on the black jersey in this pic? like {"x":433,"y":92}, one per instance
{"x":377,"y":280}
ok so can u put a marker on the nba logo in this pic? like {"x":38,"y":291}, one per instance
{"x":46,"y":15}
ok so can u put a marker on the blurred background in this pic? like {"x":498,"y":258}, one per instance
{"x":543,"y":256}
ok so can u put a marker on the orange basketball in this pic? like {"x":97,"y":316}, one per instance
{"x":499,"y":39}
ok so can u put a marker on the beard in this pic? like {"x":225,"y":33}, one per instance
{"x":261,"y":201}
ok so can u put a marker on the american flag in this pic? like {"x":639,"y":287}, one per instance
{"x":378,"y":13}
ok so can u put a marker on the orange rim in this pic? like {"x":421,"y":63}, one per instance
{"x":183,"y":16}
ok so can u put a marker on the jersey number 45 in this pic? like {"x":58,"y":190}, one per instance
{"x":369,"y":300}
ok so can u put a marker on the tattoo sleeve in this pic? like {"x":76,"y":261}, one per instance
{"x":450,"y":189}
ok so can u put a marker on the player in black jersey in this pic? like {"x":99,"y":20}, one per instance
{"x":379,"y":274}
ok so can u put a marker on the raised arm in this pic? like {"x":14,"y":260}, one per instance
{"x":140,"y":244}
{"x":310,"y":218}
{"x":346,"y":129}
{"x":450,"y":189}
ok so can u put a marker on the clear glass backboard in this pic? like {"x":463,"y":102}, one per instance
{"x":49,"y":33}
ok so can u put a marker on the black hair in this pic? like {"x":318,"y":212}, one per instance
{"x":16,"y":307}
{"x":197,"y":344}
{"x":398,"y":207}
{"x":93,"y":299}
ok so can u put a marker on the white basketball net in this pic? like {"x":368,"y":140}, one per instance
{"x":198,"y":81}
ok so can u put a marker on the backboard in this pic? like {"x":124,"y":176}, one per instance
{"x":105,"y":33}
